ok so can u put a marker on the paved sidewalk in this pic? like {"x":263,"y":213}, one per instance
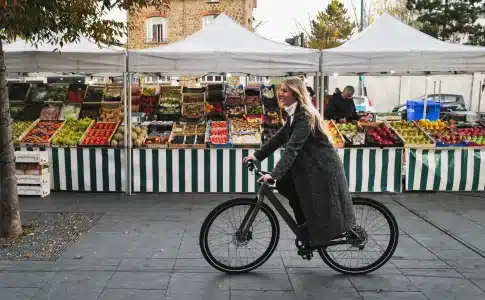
{"x":146,"y":247}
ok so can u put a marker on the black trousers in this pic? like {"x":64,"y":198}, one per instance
{"x":286,"y":187}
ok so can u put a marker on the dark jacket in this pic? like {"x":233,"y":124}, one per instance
{"x":318,"y":175}
{"x":340,"y":108}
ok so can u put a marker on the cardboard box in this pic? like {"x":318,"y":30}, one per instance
{"x":31,"y":169}
{"x":35,"y":157}
{"x":33,"y":190}
{"x":34,"y":179}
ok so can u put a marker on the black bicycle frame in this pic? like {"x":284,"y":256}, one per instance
{"x":266,"y":191}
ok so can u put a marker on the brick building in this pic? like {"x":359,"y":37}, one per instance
{"x":153,"y":28}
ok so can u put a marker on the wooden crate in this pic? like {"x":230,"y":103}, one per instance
{"x":40,"y":145}
{"x":115,"y":89}
{"x":79,"y":142}
{"x":415,"y":146}
{"x":330,"y":137}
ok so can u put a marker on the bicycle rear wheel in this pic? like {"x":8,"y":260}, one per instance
{"x":218,"y":233}
{"x":377,"y":226}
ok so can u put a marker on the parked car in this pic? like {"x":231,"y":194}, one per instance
{"x":363,"y":104}
{"x":449,"y":102}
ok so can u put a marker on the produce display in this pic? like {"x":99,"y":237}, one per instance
{"x":15,"y":110}
{"x":76,"y":92}
{"x":193,"y":98}
{"x":255,"y":110}
{"x":94,"y":93}
{"x":381,"y":135}
{"x":219,"y":134}
{"x":50,"y":113}
{"x":353,"y":134}
{"x":158,"y":135}
{"x":334,"y":135}
{"x":452,"y":134}
{"x":138,"y":135}
{"x":411,"y":133}
{"x":188,"y":141}
{"x":42,"y":133}
{"x":70,"y":111}
{"x":71,"y":133}
{"x":109,"y":114}
{"x":235,"y":111}
{"x":272,"y":118}
{"x":213,"y":107}
{"x":90,"y":111}
{"x":19,"y":128}
{"x":234,"y":96}
{"x":99,"y":134}
{"x":245,"y":133}
{"x":252,"y":100}
{"x":268,"y":92}
{"x":193,"y":110}
{"x":113,"y":93}
{"x":57,"y":93}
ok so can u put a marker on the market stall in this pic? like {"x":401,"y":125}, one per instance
{"x":193,"y":140}
{"x":439,"y":156}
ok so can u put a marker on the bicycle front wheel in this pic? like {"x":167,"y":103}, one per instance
{"x":379,"y":233}
{"x":224,"y":250}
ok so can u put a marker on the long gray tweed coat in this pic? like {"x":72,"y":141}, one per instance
{"x":318,"y":175}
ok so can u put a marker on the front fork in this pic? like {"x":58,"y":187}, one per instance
{"x":250,"y":216}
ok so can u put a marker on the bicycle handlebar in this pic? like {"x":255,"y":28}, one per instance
{"x":252,"y":167}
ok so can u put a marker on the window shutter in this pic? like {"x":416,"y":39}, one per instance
{"x":154,"y":33}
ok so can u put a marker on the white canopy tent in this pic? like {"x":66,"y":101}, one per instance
{"x":224,"y":46}
{"x":388,"y":45}
{"x":85,"y":56}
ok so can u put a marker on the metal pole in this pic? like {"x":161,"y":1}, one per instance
{"x":400,"y":86}
{"x":425,"y":97}
{"x":361,"y":15}
{"x":480,"y":98}
{"x":434,"y":87}
{"x":130,"y":141}
{"x":471,"y":92}
{"x":440,"y":92}
{"x":125,"y":121}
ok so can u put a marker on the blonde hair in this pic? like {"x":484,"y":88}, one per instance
{"x":302,"y":95}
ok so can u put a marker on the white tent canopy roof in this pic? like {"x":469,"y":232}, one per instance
{"x":224,"y":46}
{"x":85,"y":56}
{"x":390,"y":45}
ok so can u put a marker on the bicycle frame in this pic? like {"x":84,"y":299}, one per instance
{"x":266,"y":191}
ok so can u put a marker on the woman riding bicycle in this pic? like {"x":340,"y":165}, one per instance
{"x":310,"y":173}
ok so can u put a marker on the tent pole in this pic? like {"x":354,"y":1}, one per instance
{"x":400,"y":86}
{"x":480,"y":94}
{"x":130,"y":141}
{"x":425,"y":96}
{"x":471,"y":93}
{"x":125,"y":134}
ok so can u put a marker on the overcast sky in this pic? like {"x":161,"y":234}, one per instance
{"x":279,"y":16}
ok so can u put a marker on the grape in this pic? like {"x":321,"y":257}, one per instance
{"x":71,"y":132}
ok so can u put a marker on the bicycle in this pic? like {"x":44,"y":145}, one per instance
{"x":244,"y":233}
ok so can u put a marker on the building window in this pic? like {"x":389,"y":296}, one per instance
{"x":157,"y":30}
{"x":256,"y":79}
{"x":213,"y":78}
{"x":207,"y":19}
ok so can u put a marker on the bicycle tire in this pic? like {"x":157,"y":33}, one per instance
{"x":394,"y":233}
{"x":204,"y":231}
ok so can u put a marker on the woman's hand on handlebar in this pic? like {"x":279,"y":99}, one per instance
{"x":267,"y":179}
{"x":249,"y":158}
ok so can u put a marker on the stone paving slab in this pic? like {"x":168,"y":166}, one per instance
{"x":146,"y":247}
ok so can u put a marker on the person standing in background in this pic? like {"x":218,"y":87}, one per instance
{"x":341,"y":106}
